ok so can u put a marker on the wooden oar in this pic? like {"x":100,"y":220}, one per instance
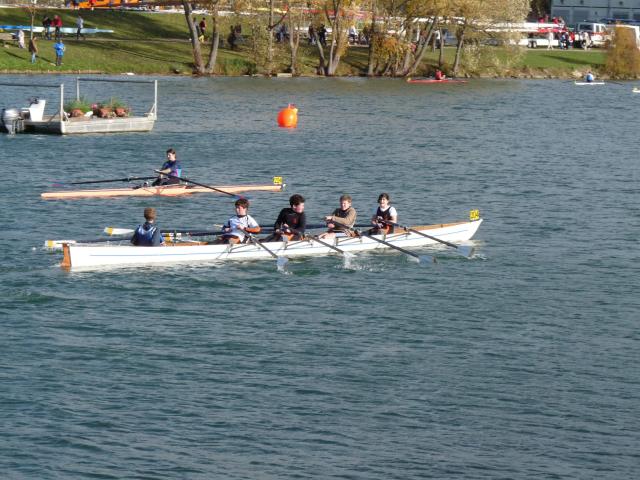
{"x":193,"y":232}
{"x":201,"y":185}
{"x":126,"y":179}
{"x":57,"y":244}
{"x":280,"y":260}
{"x":422,"y":259}
{"x":462,"y":249}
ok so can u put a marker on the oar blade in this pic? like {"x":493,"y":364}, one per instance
{"x":111,"y":231}
{"x":54,"y":245}
{"x":426,"y":260}
{"x":281,"y":262}
{"x":466,"y":250}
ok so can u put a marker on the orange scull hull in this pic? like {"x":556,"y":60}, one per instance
{"x":164,"y":191}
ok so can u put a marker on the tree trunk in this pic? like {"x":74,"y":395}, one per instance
{"x":195,"y":43}
{"x":294,"y":43}
{"x":372,"y":34}
{"x":456,"y":62}
{"x":270,"y":45}
{"x":422,"y":49}
{"x":441,"y":53}
{"x":322,"y":61}
{"x":213,"y":54}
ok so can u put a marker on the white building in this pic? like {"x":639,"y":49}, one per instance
{"x":574,"y":11}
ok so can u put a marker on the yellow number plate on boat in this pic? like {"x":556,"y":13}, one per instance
{"x":277,"y":180}
{"x":474,"y":215}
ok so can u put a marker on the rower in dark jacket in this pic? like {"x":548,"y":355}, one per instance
{"x":291,"y":222}
{"x":148,"y":235}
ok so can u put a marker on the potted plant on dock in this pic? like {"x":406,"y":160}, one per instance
{"x":118,"y":107}
{"x":78,"y":107}
{"x":101,"y":110}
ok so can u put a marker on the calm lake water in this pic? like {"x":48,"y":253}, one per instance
{"x":521,"y":362}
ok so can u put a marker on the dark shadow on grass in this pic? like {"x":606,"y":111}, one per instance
{"x":569,"y":61}
{"x":110,"y":48}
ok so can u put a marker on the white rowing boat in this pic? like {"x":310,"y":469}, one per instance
{"x":78,"y":256}
{"x":588,"y":83}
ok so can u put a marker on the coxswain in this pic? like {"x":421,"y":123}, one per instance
{"x":170,"y":167}
{"x":439,"y":75}
{"x":384,"y":215}
{"x":148,"y":235}
{"x":291,"y":222}
{"x":235,"y":230}
{"x":341,"y":221}
{"x":589,"y":78}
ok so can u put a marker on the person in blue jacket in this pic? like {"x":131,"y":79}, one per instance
{"x":148,"y":235}
{"x":589,"y":77}
{"x":170,"y":167}
{"x":59,"y":48}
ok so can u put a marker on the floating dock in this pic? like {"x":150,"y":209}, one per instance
{"x":35,"y":120}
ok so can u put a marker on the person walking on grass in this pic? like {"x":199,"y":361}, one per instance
{"x":59,"y":49}
{"x":80,"y":26}
{"x":33,"y":49}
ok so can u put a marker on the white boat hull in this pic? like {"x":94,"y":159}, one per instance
{"x":589,"y":83}
{"x":91,"y":256}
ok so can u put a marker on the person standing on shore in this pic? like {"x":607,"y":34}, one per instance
{"x":46,"y":23}
{"x":203,"y":29}
{"x":59,"y":49}
{"x":20,"y":39}
{"x":57,"y":25}
{"x":79,"y":26}
{"x":33,"y":49}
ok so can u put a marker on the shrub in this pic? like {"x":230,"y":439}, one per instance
{"x":623,"y":56}
{"x":78,"y":104}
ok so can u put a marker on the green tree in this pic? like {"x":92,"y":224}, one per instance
{"x":623,"y":55}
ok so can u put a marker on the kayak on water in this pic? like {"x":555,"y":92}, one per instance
{"x":433,"y":80}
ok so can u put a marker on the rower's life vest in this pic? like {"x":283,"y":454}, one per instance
{"x":144,"y":236}
{"x":386,"y":216}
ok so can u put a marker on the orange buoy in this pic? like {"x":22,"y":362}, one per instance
{"x":288,"y":117}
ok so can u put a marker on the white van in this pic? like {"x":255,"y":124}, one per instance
{"x":599,"y":32}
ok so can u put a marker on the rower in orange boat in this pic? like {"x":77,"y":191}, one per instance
{"x":171,"y":170}
{"x":439,"y":75}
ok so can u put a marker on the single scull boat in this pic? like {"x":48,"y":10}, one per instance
{"x":163,"y":191}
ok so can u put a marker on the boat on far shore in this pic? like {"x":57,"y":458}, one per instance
{"x":434,"y":80}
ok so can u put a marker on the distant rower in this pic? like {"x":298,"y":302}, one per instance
{"x":170,"y":167}
{"x":147,"y":235}
{"x":589,"y":77}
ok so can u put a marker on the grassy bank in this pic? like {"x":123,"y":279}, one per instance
{"x":157,"y":43}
